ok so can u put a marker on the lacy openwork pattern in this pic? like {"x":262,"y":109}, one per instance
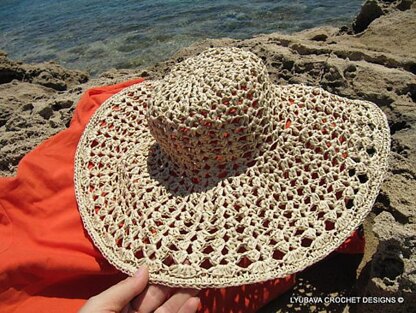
{"x":215,"y":177}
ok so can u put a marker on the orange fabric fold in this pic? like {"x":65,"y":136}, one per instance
{"x":48,"y":263}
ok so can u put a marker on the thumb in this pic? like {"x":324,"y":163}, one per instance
{"x":119,"y":295}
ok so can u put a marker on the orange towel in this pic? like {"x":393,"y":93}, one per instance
{"x":48,"y":262}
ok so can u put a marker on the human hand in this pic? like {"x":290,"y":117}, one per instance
{"x":132,"y":295}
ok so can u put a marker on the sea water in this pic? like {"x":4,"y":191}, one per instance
{"x":96,"y":35}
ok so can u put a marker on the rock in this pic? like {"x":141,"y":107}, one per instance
{"x":405,"y":5}
{"x":47,"y":74}
{"x":62,"y":104}
{"x":54,"y":123}
{"x":9,"y":70}
{"x":373,"y":9}
{"x":15,"y":144}
{"x":6,"y":112}
{"x":391,"y":34}
{"x":369,"y":12}
{"x":27,"y":107}
{"x":401,"y":205}
{"x":16,"y":123}
{"x":46,"y":112}
{"x":120,"y":74}
{"x":393,"y":265}
{"x":46,"y":79}
{"x":320,"y":37}
{"x":38,"y":107}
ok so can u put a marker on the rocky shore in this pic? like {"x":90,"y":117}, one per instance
{"x":372,"y":59}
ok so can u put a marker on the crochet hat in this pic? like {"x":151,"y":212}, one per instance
{"x":214,"y":176}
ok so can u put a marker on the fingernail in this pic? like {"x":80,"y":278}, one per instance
{"x":142,"y":269}
{"x":197,"y":301}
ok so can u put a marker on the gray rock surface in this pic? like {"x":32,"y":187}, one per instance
{"x":49,"y":74}
{"x":374,"y":59}
{"x":393,"y":271}
{"x":373,"y":9}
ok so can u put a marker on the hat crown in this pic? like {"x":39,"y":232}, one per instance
{"x":212,"y":109}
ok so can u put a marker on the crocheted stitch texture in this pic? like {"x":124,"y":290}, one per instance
{"x":216,"y":177}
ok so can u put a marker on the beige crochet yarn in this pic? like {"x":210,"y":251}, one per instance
{"x":215,"y":177}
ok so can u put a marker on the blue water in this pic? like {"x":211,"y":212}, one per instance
{"x":95,"y":35}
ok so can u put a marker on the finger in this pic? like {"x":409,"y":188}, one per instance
{"x":190,"y":306}
{"x":177,"y":301}
{"x":151,"y":298}
{"x":118,"y":296}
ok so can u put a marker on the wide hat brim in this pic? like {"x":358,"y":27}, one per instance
{"x":297,"y":203}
